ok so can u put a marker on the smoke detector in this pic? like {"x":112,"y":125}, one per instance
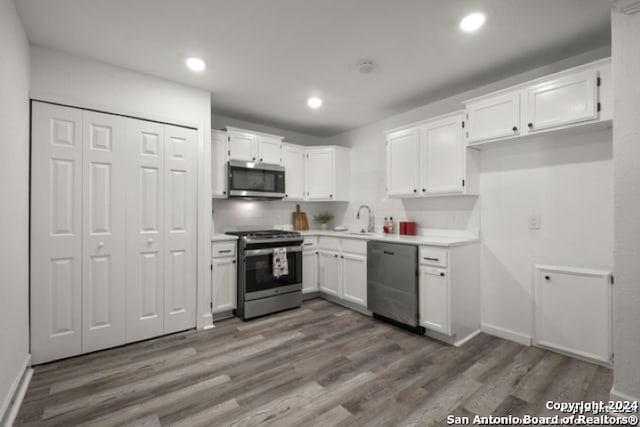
{"x":366,"y":67}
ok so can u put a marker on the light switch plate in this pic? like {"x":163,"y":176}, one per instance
{"x":534,"y":222}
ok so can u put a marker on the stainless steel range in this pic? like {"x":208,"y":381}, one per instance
{"x":260,"y":291}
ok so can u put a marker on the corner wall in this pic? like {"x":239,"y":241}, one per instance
{"x":626,"y":156}
{"x":14,"y":193}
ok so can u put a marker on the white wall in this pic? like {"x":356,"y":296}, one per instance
{"x":71,"y":80}
{"x":626,"y":156}
{"x":14,"y":194}
{"x":568,"y":181}
{"x":219,"y":121}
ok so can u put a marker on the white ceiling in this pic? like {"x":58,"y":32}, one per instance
{"x":266,"y":57}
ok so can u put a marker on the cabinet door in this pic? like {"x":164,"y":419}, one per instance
{"x":573,"y":311}
{"x":180,"y":229}
{"x":329,"y":274}
{"x":434,"y":299}
{"x":320,"y":174}
{"x":56,"y":232}
{"x":242,"y":146}
{"x":442,"y":156}
{"x":496,"y":117}
{"x":219,"y":159}
{"x":403,"y":163}
{"x":145,"y":231}
{"x":354,"y":278}
{"x":293,"y":157}
{"x":103,"y":237}
{"x":309,"y":271}
{"x":223,"y":284}
{"x":562,"y":101}
{"x":269,"y":150}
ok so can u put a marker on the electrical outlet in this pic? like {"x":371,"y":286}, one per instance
{"x":534,"y":222}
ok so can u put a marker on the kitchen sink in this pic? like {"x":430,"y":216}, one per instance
{"x":360,"y":233}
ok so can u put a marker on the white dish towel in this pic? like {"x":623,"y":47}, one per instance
{"x":280,"y":265}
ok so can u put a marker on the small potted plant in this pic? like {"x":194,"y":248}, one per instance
{"x":323,"y":219}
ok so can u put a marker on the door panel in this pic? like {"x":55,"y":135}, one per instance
{"x":145,"y":240}
{"x":354,"y":278}
{"x":242,"y":146}
{"x":309,"y":271}
{"x":104,"y":187}
{"x":320,"y":174}
{"x":403,"y":163}
{"x":180,"y":229}
{"x":329,"y":273}
{"x":434,"y":300}
{"x":223,"y":282}
{"x":493,"y":118}
{"x":443,"y":157}
{"x":56,"y":232}
{"x":269,"y":151}
{"x":294,"y":172}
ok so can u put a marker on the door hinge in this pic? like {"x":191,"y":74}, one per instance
{"x":228,"y":152}
{"x":211,"y":305}
{"x":611,"y":358}
{"x":463,"y":124}
{"x":599,"y":106}
{"x":467,"y":116}
{"x":611,"y":279}
{"x":463,"y":182}
{"x":598,"y":81}
{"x":307,"y":156}
{"x":211,"y":267}
{"x":228,"y":139}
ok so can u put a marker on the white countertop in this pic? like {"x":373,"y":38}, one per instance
{"x":223,"y":238}
{"x":429,"y":240}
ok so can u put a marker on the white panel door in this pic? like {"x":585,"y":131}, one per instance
{"x":320,"y":174}
{"x":403,"y":163}
{"x":269,"y":150}
{"x":354,"y":278}
{"x":242,"y":146}
{"x":293,"y":158}
{"x":329,"y":274}
{"x":573,"y":311}
{"x":56,"y":232}
{"x":223,"y":284}
{"x":434,"y":300}
{"x":145,"y":237}
{"x":103,"y":237}
{"x":562,"y":101}
{"x":495,"y":117}
{"x":443,"y":156}
{"x":179,"y":228}
{"x":309,"y":271}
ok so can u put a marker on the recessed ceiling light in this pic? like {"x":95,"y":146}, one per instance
{"x":472,"y":22}
{"x":196,"y":64}
{"x":314,"y":102}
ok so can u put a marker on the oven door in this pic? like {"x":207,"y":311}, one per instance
{"x":259,"y":279}
{"x":254,"y":180}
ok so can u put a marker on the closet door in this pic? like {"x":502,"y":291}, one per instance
{"x":56,"y":232}
{"x":180,"y":229}
{"x":103,"y":236}
{"x":145,"y":238}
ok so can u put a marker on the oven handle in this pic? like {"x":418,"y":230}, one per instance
{"x":257,"y":252}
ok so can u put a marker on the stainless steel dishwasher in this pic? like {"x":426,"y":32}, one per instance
{"x":392,"y":283}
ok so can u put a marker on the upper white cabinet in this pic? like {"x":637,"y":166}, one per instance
{"x":327,"y":173}
{"x":249,"y":146}
{"x":294,"y":159}
{"x":219,"y":159}
{"x":494,"y":117}
{"x":581,"y":95}
{"x":430,"y":159}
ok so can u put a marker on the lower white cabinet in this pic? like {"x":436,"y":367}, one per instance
{"x":354,"y":278}
{"x":343,"y":268}
{"x":223,"y":284}
{"x":573,"y":311}
{"x":310,"y":265}
{"x":449,"y":292}
{"x":329,"y":274}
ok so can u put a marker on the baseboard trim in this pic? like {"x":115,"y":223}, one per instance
{"x":618,"y":395}
{"x":12,"y":402}
{"x":468,"y":338}
{"x":505,"y":334}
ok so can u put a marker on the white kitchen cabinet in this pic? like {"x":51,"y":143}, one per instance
{"x":434,"y":299}
{"x":112,"y":230}
{"x":293,"y":158}
{"x":573,"y":311}
{"x":327,"y":173}
{"x":310,"y":265}
{"x":561,"y":101}
{"x":250,"y":146}
{"x":430,"y":159}
{"x":329,"y":272}
{"x":403,"y":162}
{"x":354,"y":278}
{"x":269,"y":149}
{"x":223,"y":277}
{"x":219,"y":160}
{"x":493,"y":117}
{"x":449,"y":292}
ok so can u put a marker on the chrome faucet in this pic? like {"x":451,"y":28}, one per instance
{"x":371,"y":225}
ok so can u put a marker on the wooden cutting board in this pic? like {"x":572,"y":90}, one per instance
{"x":300,"y":219}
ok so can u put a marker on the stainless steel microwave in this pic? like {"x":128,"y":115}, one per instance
{"x":251,"y":180}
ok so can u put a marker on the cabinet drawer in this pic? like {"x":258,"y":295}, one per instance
{"x":431,"y":256}
{"x":354,"y":246}
{"x":310,"y":243}
{"x":329,"y":243}
{"x":225,"y":249}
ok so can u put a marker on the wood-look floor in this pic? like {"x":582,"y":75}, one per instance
{"x":318,"y":365}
